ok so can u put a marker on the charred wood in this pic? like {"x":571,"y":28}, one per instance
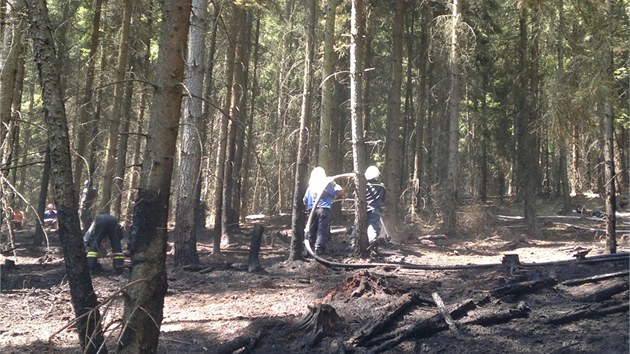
{"x":445,"y":313}
{"x":321,"y":321}
{"x":562,"y":318}
{"x":595,"y":278}
{"x":382,"y":322}
{"x":498,"y":317}
{"x":525,"y":287}
{"x":605,"y":292}
{"x":420,"y":329}
{"x":254,"y":250}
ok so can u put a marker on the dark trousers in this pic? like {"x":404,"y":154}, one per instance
{"x":102,"y":227}
{"x":319,"y":229}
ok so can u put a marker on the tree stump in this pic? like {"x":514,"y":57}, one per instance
{"x":321,"y":321}
{"x":254,"y":250}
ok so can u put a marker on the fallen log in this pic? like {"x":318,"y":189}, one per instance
{"x":594,"y":278}
{"x":605,"y":292}
{"x":525,"y":287}
{"x":562,"y":318}
{"x":382,"y":322}
{"x":420,"y":329}
{"x":445,"y":313}
{"x":521,"y":311}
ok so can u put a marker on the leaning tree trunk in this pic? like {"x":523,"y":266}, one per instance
{"x":84,"y":299}
{"x":144,"y":301}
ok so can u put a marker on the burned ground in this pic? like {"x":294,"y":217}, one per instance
{"x":307,"y":307}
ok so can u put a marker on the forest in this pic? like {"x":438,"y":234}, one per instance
{"x":488,"y":120}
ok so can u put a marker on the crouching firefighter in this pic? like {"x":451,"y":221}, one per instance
{"x":104,"y":225}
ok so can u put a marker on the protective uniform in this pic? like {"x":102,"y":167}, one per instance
{"x":104,"y":225}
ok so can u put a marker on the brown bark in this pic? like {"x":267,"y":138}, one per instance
{"x":84,"y":299}
{"x":392,"y":172}
{"x":190,"y":154}
{"x":358,"y":139}
{"x":298,"y":218}
{"x":144,"y":302}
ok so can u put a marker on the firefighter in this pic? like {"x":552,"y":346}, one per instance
{"x":104,"y":225}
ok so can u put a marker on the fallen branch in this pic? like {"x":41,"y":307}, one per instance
{"x":605,"y":292}
{"x":379,"y":324}
{"x":594,"y":278}
{"x":499,"y":317}
{"x":523,"y":287}
{"x":445,"y":313}
{"x":420,"y":329}
{"x":562,"y":318}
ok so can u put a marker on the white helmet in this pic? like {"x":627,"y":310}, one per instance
{"x":372,"y":172}
{"x":318,"y":176}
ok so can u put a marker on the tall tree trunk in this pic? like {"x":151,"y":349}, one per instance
{"x":11,"y":49}
{"x":393,"y":153}
{"x":245,"y":119}
{"x":144,"y":302}
{"x":358,"y":139}
{"x":609,"y":121}
{"x":87,"y":105}
{"x":421,"y":120}
{"x":450,"y":204}
{"x":237,"y":108}
{"x":563,"y":158}
{"x":223,"y":135}
{"x":84,"y":299}
{"x":328,"y":84}
{"x":190,"y":154}
{"x":109,"y":172}
{"x":301,"y":166}
{"x":527,"y":151}
{"x":248,"y":149}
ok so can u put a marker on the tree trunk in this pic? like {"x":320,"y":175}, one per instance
{"x":87,"y":106}
{"x":109,"y":171}
{"x":526,"y":141}
{"x":358,"y":139}
{"x":609,"y":121}
{"x":237,"y":109}
{"x":84,"y":299}
{"x":393,"y":154}
{"x":223,"y":135}
{"x":450,"y":204}
{"x":144,"y":302}
{"x":190,"y":154}
{"x":238,"y":92}
{"x":298,"y":218}
{"x":328,"y":81}
{"x":248,"y":150}
{"x":425,"y":19}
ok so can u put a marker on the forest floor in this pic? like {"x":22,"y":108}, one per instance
{"x":307,"y":307}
